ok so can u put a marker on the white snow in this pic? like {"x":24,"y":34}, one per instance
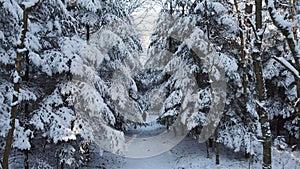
{"x":1,"y":35}
{"x":13,"y":7}
{"x":21,"y":137}
{"x":89,"y":5}
{"x":189,"y":154}
{"x":16,"y":77}
{"x":29,"y":3}
{"x":283,"y":23}
{"x":90,"y":18}
{"x":289,"y":66}
{"x":21,"y":50}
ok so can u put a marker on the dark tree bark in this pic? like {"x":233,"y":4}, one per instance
{"x":217,"y":148}
{"x":171,"y":17}
{"x":243,"y":59}
{"x":263,"y":116}
{"x":16,"y":82}
{"x":87,"y":26}
{"x":292,"y":3}
{"x":15,"y":104}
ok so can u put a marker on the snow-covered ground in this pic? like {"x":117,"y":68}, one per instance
{"x":189,"y":154}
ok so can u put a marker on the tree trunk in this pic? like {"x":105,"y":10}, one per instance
{"x":27,"y":67}
{"x":171,"y":17}
{"x":25,"y":78}
{"x":217,"y":147}
{"x":87,"y":26}
{"x":26,"y":110}
{"x":16,"y":82}
{"x":292,"y":3}
{"x":15,"y":104}
{"x":210,"y":142}
{"x":26,"y":152}
{"x":207,"y":24}
{"x":171,"y":7}
{"x":263,"y":116}
{"x":14,"y":110}
{"x":207,"y":149}
{"x":243,"y":59}
{"x":243,"y":63}
{"x":298,"y":104}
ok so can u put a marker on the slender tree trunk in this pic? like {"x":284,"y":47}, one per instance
{"x":14,"y":110}
{"x":61,"y":165}
{"x":263,"y":116}
{"x":171,"y":17}
{"x":292,"y":3}
{"x":26,"y":109}
{"x":171,"y":7}
{"x":243,"y":59}
{"x":16,"y":82}
{"x":27,"y":67}
{"x":207,"y":24}
{"x":87,"y":26}
{"x":243,"y":62}
{"x":207,"y":149}
{"x":26,"y":159}
{"x":25,"y":78}
{"x":217,"y":147}
{"x":210,"y":142}
{"x":15,"y":104}
{"x":298,"y":104}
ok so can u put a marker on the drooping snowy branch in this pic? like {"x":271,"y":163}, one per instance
{"x":286,"y":28}
{"x":288,"y":66}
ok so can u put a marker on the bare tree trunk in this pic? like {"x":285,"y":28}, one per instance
{"x":263,"y":116}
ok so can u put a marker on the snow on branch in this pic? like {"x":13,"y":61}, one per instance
{"x":288,"y":66}
{"x":286,"y":28}
{"x":30,"y":3}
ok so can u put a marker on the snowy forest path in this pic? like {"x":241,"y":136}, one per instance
{"x":177,"y":157}
{"x":189,"y":154}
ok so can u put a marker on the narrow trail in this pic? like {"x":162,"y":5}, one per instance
{"x":189,"y":154}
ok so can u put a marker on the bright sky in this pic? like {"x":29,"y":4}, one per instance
{"x":145,"y":24}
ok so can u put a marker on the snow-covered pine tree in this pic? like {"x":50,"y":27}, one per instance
{"x":86,"y":105}
{"x":77,"y":97}
{"x":223,"y":35}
